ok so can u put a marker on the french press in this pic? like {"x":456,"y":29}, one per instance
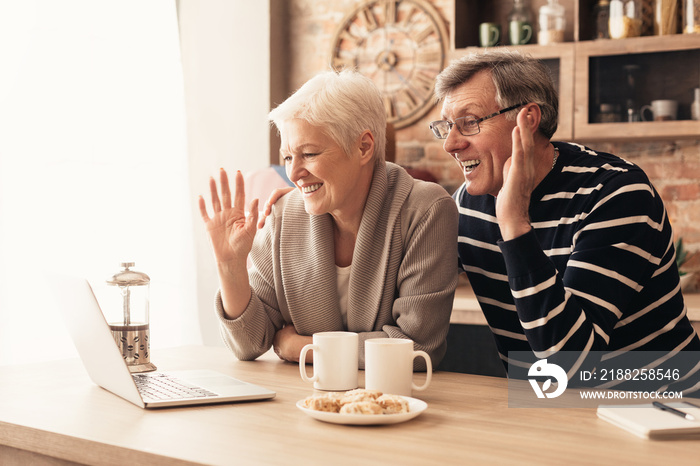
{"x":129,"y":323}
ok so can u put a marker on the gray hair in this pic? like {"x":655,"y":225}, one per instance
{"x":344,"y":104}
{"x":518,"y":78}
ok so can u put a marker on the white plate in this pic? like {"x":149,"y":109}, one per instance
{"x":415,"y":407}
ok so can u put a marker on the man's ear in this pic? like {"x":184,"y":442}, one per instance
{"x":366,"y":146}
{"x":534,"y":111}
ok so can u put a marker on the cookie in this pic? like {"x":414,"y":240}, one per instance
{"x":361,"y":407}
{"x":329,"y":402}
{"x":360,"y":394}
{"x":392,"y":404}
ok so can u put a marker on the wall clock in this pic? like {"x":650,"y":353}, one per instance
{"x":401,"y":45}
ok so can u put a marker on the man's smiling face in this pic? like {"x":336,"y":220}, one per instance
{"x":481,"y":156}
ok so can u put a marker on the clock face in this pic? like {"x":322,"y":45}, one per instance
{"x":401,"y":46}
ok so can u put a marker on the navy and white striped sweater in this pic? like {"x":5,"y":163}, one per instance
{"x":596,"y":273}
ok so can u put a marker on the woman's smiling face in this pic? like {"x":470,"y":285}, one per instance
{"x":324,"y":174}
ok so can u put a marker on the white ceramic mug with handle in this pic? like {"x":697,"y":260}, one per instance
{"x":389,"y":366}
{"x":661,"y":110}
{"x":335,"y":365}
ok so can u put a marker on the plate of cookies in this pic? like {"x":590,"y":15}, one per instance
{"x":361,"y":407}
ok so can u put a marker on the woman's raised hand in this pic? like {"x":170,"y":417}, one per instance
{"x":231,"y":233}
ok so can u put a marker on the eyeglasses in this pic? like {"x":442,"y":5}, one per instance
{"x":467,"y":126}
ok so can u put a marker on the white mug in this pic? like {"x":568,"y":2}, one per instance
{"x":335,"y":361}
{"x":389,"y":366}
{"x":661,"y":110}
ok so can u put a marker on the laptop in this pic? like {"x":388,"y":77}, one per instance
{"x":107,"y":368}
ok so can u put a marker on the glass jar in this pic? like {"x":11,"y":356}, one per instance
{"x":631,"y":106}
{"x":552,"y":23}
{"x":695,"y":106}
{"x":648,"y":17}
{"x":601,"y":16}
{"x":625,"y":19}
{"x":520,"y":23}
{"x":665,"y":17}
{"x":691,"y":16}
{"x":608,"y":113}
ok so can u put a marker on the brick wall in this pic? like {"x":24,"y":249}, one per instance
{"x":674,"y":167}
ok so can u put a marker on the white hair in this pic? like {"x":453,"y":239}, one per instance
{"x":343,"y":104}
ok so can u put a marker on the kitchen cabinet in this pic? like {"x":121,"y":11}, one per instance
{"x":590,"y":73}
{"x":667,"y":67}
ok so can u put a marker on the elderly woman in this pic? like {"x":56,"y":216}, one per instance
{"x":358,"y":244}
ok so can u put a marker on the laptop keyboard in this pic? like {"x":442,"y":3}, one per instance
{"x":167,"y":387}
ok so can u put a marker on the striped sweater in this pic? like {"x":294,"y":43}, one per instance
{"x":596,"y":273}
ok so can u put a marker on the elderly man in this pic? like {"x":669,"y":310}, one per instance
{"x":567,"y":249}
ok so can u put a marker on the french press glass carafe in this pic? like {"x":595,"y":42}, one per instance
{"x":129,"y":322}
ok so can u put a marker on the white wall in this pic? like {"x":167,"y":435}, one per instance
{"x":93,"y":164}
{"x":226,"y":60}
{"x":104,"y":149}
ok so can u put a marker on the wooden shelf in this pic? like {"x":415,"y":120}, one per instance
{"x":669,"y":69}
{"x":464,"y":30}
{"x":658,"y":130}
{"x":670,"y":66}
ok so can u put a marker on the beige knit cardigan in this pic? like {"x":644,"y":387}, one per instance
{"x":403,"y":278}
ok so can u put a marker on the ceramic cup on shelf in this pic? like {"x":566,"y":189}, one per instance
{"x":389,"y":366}
{"x":489,"y":34}
{"x":335,"y":365}
{"x":661,"y":110}
{"x":520,"y":32}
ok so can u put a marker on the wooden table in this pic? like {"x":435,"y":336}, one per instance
{"x":53,"y":409}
